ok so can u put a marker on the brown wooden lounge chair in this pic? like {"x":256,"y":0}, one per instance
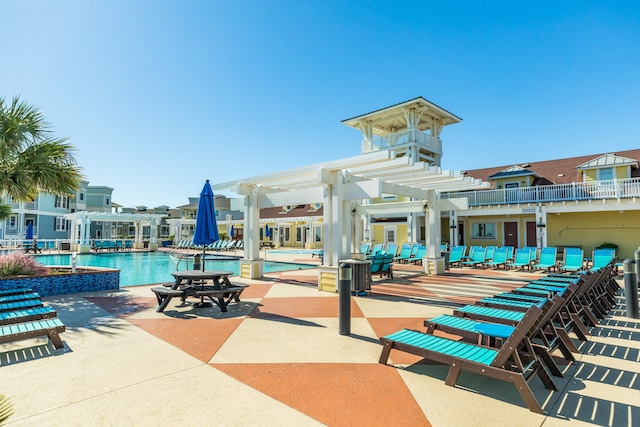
{"x":509,"y":363}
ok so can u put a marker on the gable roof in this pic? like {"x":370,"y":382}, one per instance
{"x":559,"y":171}
{"x":607,"y":161}
{"x":512,"y":171}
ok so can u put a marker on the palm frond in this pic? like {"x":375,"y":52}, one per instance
{"x":6,"y":408}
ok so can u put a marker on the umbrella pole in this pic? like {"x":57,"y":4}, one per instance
{"x":204,"y":250}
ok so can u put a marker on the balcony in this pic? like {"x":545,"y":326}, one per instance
{"x":597,"y":190}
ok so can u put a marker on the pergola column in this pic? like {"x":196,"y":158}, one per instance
{"x":251,"y":266}
{"x":433,"y":263}
{"x":153,"y":235}
{"x":337,"y":235}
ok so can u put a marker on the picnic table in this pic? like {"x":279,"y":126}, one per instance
{"x":192,"y":283}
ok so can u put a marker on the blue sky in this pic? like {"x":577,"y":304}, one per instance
{"x":158,"y":96}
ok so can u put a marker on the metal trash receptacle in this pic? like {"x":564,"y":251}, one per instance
{"x":360,"y":276}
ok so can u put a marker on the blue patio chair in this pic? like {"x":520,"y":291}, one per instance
{"x":376,"y":248}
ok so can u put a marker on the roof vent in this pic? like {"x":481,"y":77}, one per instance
{"x":560,"y":174}
{"x":525,"y":165}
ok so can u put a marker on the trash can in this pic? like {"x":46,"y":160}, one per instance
{"x":197,"y":262}
{"x":360,"y":276}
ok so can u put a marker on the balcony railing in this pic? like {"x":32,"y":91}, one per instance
{"x":408,"y":137}
{"x":597,"y":190}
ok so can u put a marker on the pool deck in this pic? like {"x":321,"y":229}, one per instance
{"x":277,"y":359}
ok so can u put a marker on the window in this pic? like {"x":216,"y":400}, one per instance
{"x":317,"y":233}
{"x":390,"y":234}
{"x":106,"y":202}
{"x":13,"y":221}
{"x":483,"y":230}
{"x":62,"y":202}
{"x":284,"y":234}
{"x":61,"y":224}
{"x":605,"y":174}
{"x":81,"y":196}
{"x":299,"y":234}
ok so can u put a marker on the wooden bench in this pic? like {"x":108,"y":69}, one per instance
{"x":221,"y":297}
{"x":36,"y":313}
{"x":18,"y":305}
{"x":19,"y":331}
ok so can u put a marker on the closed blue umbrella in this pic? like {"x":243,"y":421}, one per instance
{"x":29,"y":234}
{"x":267,"y":231}
{"x":206,"y":231}
{"x":232,"y":233}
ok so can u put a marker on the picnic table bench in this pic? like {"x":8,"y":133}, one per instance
{"x":220,"y":296}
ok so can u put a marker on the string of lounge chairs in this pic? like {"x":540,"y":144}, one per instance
{"x":512,"y":335}
{"x":530,"y":258}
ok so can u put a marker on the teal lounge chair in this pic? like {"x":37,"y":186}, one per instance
{"x":420,"y":253}
{"x":376,"y":248}
{"x":547,"y":259}
{"x":457,"y":252}
{"x":513,"y":362}
{"x":392,"y":248}
{"x":405,"y":253}
{"x":522,"y":259}
{"x":499,"y":258}
{"x":601,"y":258}
{"x":477,"y":258}
{"x":573,"y":260}
{"x":364,"y":248}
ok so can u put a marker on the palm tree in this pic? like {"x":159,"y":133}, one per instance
{"x":31,"y":158}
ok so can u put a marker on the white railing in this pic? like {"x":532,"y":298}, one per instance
{"x":597,"y":190}
{"x":409,"y":137}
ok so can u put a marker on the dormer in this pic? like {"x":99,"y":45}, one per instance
{"x":607,"y":167}
{"x":287,"y":209}
{"x":513,"y":177}
{"x":411,"y":128}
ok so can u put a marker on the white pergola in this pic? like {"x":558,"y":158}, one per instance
{"x":81,"y":226}
{"x":342,"y":186}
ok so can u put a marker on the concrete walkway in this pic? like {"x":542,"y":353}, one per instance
{"x":277,"y":359}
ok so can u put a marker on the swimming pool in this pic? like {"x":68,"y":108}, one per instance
{"x":143,"y":268}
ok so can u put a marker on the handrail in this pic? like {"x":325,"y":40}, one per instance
{"x":593,"y":190}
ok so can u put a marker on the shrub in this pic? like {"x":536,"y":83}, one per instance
{"x":607,"y":245}
{"x":19,"y":264}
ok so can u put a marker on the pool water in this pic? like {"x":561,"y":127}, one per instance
{"x":143,"y":268}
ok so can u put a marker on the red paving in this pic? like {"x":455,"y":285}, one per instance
{"x":335,"y":394}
